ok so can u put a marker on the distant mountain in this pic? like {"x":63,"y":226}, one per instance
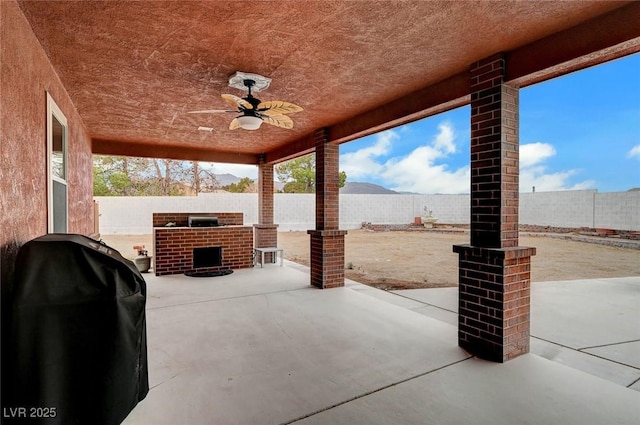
{"x":227,"y":179}
{"x":365,"y":188}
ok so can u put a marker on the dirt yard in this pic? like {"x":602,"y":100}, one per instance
{"x":401,"y":260}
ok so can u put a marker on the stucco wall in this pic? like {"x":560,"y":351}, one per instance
{"x":120,"y":215}
{"x":26,"y":75}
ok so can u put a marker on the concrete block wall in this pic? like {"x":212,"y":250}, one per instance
{"x":296,"y":212}
{"x":401,"y":209}
{"x":355,"y":209}
{"x":617,"y":209}
{"x":573,"y":208}
{"x":133,"y":215}
{"x":449,"y":209}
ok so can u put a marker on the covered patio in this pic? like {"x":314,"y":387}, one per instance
{"x":127,"y":74}
{"x":262,"y":346}
{"x":119,"y":78}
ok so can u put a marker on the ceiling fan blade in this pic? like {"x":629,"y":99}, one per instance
{"x":236,"y":101}
{"x":281,"y":121}
{"x":210,"y":111}
{"x":278,"y":107}
{"x":234,"y":124}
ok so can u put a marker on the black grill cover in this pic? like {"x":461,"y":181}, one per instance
{"x":78,"y":333}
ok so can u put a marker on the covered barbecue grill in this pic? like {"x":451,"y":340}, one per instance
{"x":78,"y":333}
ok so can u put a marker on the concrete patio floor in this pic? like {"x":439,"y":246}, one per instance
{"x":261,"y":346}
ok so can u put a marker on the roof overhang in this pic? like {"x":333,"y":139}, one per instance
{"x":134,"y":69}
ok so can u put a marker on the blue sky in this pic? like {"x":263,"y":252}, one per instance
{"x":579,"y":131}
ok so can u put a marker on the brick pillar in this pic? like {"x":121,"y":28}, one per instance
{"x":265,"y":193}
{"x":265,"y":232}
{"x":494,"y":272}
{"x":327,"y":241}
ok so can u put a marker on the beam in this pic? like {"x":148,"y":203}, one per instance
{"x":292,"y":150}
{"x":440,"y":97}
{"x":432,"y":100}
{"x":607,"y":37}
{"x":189,"y":153}
{"x":604,"y":38}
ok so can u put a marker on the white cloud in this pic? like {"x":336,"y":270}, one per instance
{"x":634,"y":152}
{"x":534,"y":153}
{"x":534,"y":174}
{"x":362,"y":163}
{"x":415,"y":172}
{"x":444,"y":139}
{"x":544,"y":182}
{"x":424,"y":170}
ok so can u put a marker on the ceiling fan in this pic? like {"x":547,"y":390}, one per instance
{"x":254,"y":111}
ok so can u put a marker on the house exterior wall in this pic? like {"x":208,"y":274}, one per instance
{"x":26,"y":75}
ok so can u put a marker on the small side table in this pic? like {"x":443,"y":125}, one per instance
{"x":262,"y":251}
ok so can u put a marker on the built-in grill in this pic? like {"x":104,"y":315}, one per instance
{"x":203,"y":221}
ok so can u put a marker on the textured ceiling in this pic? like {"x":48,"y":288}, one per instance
{"x":133,"y":69}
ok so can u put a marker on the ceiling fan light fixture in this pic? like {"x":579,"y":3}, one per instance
{"x":252,"y":110}
{"x":248,"y":122}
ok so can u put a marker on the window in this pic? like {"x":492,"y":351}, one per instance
{"x":56,"y":168}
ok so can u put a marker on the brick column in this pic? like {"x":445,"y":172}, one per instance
{"x":494,"y":272}
{"x":327,"y":241}
{"x":265,"y":232}
{"x":265,"y":193}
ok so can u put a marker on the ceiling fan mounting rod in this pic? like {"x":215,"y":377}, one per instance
{"x":248,"y":84}
{"x":254,"y":101}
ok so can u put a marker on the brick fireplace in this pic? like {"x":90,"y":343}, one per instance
{"x":174,"y":245}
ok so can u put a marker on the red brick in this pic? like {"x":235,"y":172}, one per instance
{"x":174,"y":246}
{"x":494,"y":317}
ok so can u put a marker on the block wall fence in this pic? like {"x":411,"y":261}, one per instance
{"x":296,"y":212}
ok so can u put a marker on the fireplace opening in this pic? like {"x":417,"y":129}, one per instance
{"x":207,"y":257}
